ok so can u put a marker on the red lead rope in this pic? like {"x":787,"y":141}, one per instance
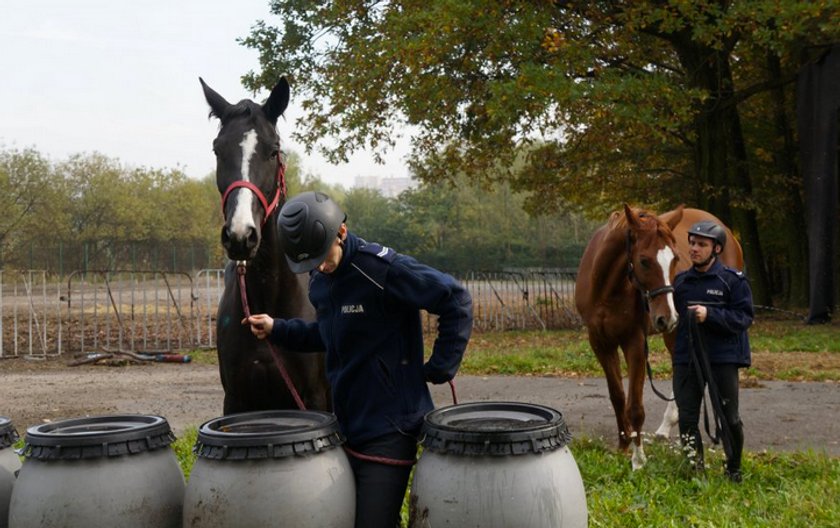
{"x":278,"y":360}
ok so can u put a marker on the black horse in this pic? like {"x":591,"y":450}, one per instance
{"x":250,"y":169}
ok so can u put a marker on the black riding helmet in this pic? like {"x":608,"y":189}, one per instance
{"x":711,"y":230}
{"x":309,"y":225}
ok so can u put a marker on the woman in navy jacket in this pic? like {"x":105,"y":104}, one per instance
{"x":720,"y":300}
{"x":368,"y":300}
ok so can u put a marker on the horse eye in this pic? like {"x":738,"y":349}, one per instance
{"x":645,"y":263}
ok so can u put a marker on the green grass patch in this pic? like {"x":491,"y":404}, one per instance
{"x":567,"y":353}
{"x":183,"y":447}
{"x":203,"y":356}
{"x":790,"y":489}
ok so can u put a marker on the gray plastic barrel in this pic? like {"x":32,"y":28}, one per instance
{"x":99,"y":471}
{"x":270,"y":468}
{"x":497,"y":465}
{"x":9,"y":466}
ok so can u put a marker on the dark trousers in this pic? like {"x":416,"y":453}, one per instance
{"x":380,"y":488}
{"x":688,"y":394}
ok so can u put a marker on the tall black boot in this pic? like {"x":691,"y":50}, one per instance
{"x":733,"y":464}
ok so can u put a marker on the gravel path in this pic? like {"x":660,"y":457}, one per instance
{"x":778,"y":415}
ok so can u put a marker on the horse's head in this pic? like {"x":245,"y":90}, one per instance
{"x":652,"y":263}
{"x":249,"y":166}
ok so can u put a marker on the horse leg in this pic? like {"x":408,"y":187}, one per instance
{"x":671,"y":415}
{"x":635,"y":358}
{"x":608,"y":358}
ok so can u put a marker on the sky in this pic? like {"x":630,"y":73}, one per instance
{"x":120,"y":77}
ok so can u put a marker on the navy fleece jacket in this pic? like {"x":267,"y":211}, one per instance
{"x":368,"y":321}
{"x":727,"y":296}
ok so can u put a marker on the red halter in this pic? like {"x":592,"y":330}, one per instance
{"x":267,"y":207}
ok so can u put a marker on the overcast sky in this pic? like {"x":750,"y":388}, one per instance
{"x":120,"y":77}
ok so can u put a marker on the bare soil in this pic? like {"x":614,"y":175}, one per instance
{"x":777,"y":415}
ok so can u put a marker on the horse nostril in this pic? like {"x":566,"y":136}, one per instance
{"x":253,"y":237}
{"x":661,"y":323}
{"x":225,"y":237}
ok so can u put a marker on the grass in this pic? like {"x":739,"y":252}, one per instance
{"x":779,"y":489}
{"x":791,"y":489}
{"x":783,"y":350}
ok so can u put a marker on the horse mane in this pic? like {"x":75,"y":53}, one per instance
{"x":648,"y":220}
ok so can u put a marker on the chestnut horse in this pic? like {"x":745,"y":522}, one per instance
{"x":624,"y":293}
{"x":250,"y":168}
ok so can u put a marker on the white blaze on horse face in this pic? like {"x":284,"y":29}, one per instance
{"x":665,"y":257}
{"x":243,"y":219}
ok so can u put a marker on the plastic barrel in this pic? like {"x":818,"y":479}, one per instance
{"x":99,"y":471}
{"x":270,"y":468}
{"x":497,"y":465}
{"x":9,"y":466}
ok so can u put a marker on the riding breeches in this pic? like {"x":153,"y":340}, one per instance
{"x":380,"y":487}
{"x":688,"y":395}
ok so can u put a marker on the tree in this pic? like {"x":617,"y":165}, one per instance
{"x":31,"y":201}
{"x":616,"y":101}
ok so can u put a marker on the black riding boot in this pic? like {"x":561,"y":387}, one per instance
{"x":733,"y":464}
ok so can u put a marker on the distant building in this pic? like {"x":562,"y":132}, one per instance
{"x":389,"y":187}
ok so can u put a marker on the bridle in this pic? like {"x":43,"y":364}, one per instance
{"x":279,"y":193}
{"x":647,"y":295}
{"x":241,"y":265}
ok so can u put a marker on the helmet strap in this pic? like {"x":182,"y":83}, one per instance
{"x":706,"y":262}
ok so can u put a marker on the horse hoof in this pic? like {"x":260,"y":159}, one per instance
{"x":638,"y":460}
{"x":662,"y":434}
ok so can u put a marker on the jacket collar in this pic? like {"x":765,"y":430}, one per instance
{"x":351,"y":245}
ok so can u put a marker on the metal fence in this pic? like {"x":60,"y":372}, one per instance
{"x":154,"y":311}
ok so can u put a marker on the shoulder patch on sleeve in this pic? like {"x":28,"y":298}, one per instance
{"x":737,"y":273}
{"x":385,"y":253}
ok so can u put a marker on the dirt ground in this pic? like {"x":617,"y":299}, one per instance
{"x":777,"y":415}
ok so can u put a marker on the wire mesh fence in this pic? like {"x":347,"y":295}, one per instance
{"x":154,"y":311}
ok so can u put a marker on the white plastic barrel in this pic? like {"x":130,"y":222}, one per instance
{"x":270,"y":468}
{"x":497,"y":465}
{"x":9,"y":466}
{"x":99,"y":471}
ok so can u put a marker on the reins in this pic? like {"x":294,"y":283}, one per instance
{"x":646,"y":296}
{"x":703,"y":368}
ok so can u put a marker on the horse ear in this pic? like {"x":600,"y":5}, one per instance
{"x":277,"y":101}
{"x":632,"y":218}
{"x":673,"y":218}
{"x":217,"y":103}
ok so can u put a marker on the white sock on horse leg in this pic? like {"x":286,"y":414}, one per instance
{"x":669,"y":420}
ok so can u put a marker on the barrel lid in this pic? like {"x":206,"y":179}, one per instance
{"x":494,"y":429}
{"x":267,"y":434}
{"x":8,"y":433}
{"x":96,"y":437}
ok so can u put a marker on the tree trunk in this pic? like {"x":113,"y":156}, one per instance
{"x":793,"y":226}
{"x":720,"y":156}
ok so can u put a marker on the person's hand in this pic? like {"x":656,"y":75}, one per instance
{"x":700,"y":312}
{"x":261,"y":325}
